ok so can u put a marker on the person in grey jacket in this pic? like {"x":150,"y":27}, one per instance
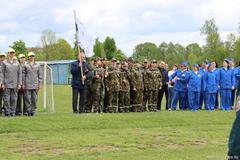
{"x":20,"y":99}
{"x":2,"y":58}
{"x":12,"y":81}
{"x":32,"y":80}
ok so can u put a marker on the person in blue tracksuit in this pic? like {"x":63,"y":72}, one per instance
{"x":194,"y":88}
{"x":203,"y":94}
{"x":216,"y":72}
{"x":180,"y":78}
{"x":211,"y":87}
{"x":232,"y":67}
{"x":237,"y":74}
{"x":226,"y":82}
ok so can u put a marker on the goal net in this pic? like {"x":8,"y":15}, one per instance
{"x":48,"y":95}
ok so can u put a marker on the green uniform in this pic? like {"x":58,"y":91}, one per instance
{"x":124,"y":91}
{"x":137,"y":84}
{"x":156,"y":83}
{"x":112,"y":87}
{"x":98,"y":89}
{"x":88,"y":100}
{"x":147,"y":80}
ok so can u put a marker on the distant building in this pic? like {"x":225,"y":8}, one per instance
{"x":61,"y":71}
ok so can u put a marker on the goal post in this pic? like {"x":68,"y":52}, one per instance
{"x":48,"y":94}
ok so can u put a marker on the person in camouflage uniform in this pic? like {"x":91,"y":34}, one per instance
{"x":124,"y":90}
{"x":131,"y":62}
{"x":137,"y":84}
{"x":147,"y":84}
{"x":112,"y":86}
{"x":156,"y":84}
{"x":98,"y":87}
{"x":88,"y":83}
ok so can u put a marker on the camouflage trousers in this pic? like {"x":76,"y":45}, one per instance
{"x":137,"y":101}
{"x":152,"y":105}
{"x":112,"y":101}
{"x":88,"y":101}
{"x":124,"y":101}
{"x":98,"y":100}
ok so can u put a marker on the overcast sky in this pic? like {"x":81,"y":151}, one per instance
{"x":129,"y":21}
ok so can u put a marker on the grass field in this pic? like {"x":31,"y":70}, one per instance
{"x":128,"y":136}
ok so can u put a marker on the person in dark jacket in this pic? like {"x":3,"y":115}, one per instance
{"x":234,"y":138}
{"x":80,"y":72}
{"x":164,"y":88}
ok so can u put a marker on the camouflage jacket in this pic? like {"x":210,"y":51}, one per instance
{"x":98,"y":78}
{"x":156,"y":79}
{"x":112,"y":79}
{"x":147,"y":79}
{"x":124,"y":80}
{"x":136,"y":79}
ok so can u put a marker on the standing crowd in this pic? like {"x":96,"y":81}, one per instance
{"x":19,"y":84}
{"x":130,"y":86}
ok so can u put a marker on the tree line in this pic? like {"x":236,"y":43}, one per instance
{"x":215,"y":49}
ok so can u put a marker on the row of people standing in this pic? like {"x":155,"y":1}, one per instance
{"x":121,"y":87}
{"x":19,"y":83}
{"x":203,"y":85}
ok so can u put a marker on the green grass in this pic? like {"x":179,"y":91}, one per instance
{"x":162,"y":135}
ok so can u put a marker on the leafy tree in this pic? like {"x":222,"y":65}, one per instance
{"x":98,"y":49}
{"x":48,"y":39}
{"x":20,"y":47}
{"x":109,"y":47}
{"x":63,"y":50}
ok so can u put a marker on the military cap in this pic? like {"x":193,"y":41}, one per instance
{"x":154,"y":61}
{"x":118,"y":62}
{"x":130,"y":59}
{"x":145,"y":61}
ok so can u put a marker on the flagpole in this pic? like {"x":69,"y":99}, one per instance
{"x":79,"y":52}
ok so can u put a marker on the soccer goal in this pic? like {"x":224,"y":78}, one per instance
{"x":48,"y":94}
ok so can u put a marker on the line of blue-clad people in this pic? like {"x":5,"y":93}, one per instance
{"x":203,"y":85}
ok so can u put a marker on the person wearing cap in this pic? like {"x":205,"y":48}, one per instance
{"x":98,"y":87}
{"x":112,"y":86}
{"x":180,"y":78}
{"x":194,"y":88}
{"x":2,"y":58}
{"x":20,"y":99}
{"x":32,"y":80}
{"x":155,"y":85}
{"x":211,"y":87}
{"x":124,"y":90}
{"x":12,"y":82}
{"x":227,"y":84}
{"x":146,"y":83}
